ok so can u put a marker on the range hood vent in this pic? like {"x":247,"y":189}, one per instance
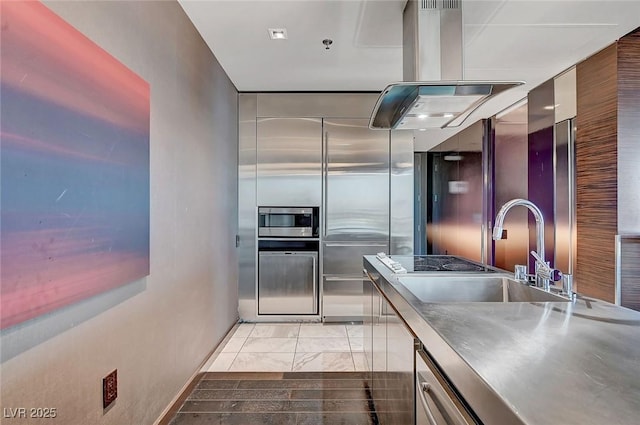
{"x":434,"y":94}
{"x":429,"y":104}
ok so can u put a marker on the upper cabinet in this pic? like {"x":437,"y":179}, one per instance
{"x":289,"y":161}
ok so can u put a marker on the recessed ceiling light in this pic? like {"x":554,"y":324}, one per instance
{"x":278,"y":33}
{"x":447,"y":115}
{"x":422,"y":116}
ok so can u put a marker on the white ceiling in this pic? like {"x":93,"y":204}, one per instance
{"x":526,"y":40}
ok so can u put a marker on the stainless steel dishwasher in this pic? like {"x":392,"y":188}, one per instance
{"x":437,"y":402}
{"x":287,"y":282}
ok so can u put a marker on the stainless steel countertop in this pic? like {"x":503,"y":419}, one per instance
{"x":530,"y":363}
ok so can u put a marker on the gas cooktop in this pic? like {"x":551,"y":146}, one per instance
{"x":437,"y":263}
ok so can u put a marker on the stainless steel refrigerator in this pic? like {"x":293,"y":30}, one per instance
{"x":355,"y":211}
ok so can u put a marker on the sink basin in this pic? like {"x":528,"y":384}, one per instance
{"x":470,"y":288}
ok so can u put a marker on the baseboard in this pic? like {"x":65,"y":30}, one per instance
{"x":170,"y":411}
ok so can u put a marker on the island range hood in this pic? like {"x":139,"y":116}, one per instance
{"x":434,"y":94}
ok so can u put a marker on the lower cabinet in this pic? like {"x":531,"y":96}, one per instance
{"x":400,"y":371}
{"x":389,"y":349}
{"x":379,"y":353}
{"x":342,"y":299}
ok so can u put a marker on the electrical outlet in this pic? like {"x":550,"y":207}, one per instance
{"x":109,"y":389}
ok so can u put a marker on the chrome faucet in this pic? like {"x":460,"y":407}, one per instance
{"x":544,"y":273}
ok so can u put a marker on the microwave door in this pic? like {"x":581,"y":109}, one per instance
{"x":287,"y":222}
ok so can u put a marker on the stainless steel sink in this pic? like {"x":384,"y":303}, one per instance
{"x":474,"y":288}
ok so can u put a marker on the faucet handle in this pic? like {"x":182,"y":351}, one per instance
{"x":545,"y":271}
{"x":539,"y":260}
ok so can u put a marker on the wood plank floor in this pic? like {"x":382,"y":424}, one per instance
{"x":282,"y":398}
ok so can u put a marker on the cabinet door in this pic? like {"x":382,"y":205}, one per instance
{"x":369,"y":293}
{"x":289,"y":162}
{"x":391,"y":353}
{"x":400,"y":379}
{"x":287,"y":283}
{"x":379,"y":369}
{"x":342,"y":299}
{"x":345,"y":258}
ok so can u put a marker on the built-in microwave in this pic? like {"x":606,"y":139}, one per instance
{"x":288,"y":222}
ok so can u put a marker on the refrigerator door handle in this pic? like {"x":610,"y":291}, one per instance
{"x":325,"y":181}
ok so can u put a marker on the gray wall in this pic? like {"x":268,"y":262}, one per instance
{"x":158,"y":330}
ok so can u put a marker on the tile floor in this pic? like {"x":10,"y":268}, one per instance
{"x":292,"y":347}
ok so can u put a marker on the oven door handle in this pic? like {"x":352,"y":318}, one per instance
{"x":325,"y":181}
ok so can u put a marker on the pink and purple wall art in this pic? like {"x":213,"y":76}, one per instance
{"x":74,"y":158}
